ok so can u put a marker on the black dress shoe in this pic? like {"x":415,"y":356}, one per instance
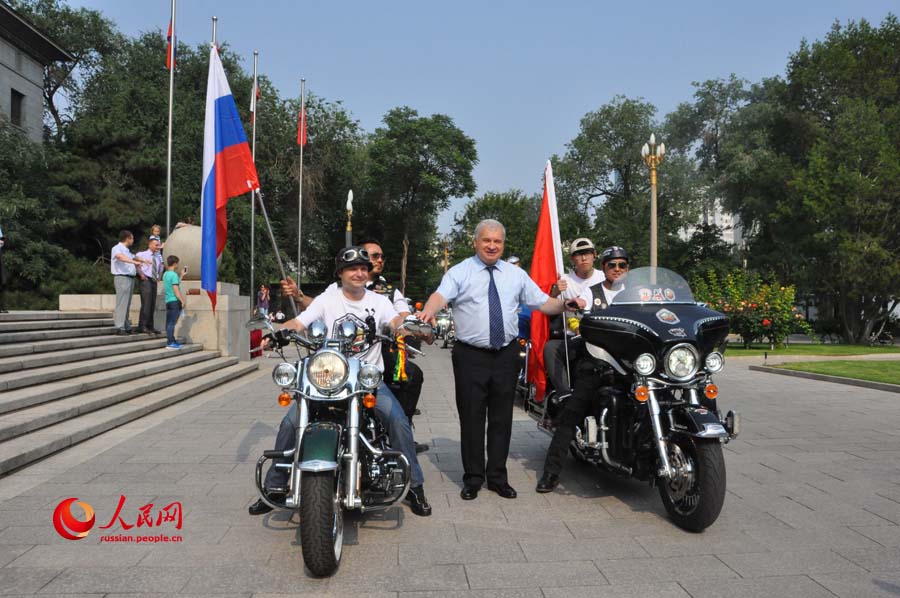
{"x":261,"y":508}
{"x":469,"y":492}
{"x":421,"y":448}
{"x":417,"y":501}
{"x":504,"y":490}
{"x":547,"y":483}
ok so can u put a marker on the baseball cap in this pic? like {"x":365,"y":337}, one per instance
{"x":581,"y":244}
{"x":513,"y":259}
{"x":155,"y":238}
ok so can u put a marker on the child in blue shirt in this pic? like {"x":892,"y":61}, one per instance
{"x":174,"y":299}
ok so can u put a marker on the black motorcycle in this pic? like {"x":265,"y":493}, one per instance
{"x":657,"y":419}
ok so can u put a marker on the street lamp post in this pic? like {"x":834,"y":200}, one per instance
{"x":653,"y":154}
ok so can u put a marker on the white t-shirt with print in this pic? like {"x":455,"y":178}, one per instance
{"x":334,"y":307}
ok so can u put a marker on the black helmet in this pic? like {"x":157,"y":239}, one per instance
{"x":611,"y":253}
{"x":351,"y":256}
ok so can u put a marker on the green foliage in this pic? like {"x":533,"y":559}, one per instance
{"x":417,"y":164}
{"x":811,"y":165}
{"x":603,"y":186}
{"x":756,"y":309}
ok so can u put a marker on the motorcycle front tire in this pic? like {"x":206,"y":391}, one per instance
{"x":696,"y":507}
{"x":321,"y":522}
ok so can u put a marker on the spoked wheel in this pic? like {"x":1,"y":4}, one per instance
{"x":321,"y":522}
{"x":695,"y":494}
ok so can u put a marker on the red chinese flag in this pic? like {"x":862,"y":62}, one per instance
{"x":170,"y":57}
{"x":301,"y":127}
{"x":546,"y":266}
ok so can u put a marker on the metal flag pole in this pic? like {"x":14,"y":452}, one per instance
{"x":348,"y":236}
{"x":171,"y":98}
{"x":254,"y":108}
{"x":262,"y":207}
{"x":215,"y":40}
{"x":300,"y":196}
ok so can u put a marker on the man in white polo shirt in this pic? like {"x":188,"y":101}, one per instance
{"x":122,"y":265}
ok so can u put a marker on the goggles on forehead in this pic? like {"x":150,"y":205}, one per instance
{"x":352,"y":254}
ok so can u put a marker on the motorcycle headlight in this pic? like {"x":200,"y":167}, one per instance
{"x":645,"y":364}
{"x":284,"y":374}
{"x":369,"y":376}
{"x":327,"y":370}
{"x":715,"y":361}
{"x":682,"y":362}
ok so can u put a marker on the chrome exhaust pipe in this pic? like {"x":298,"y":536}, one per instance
{"x":604,"y":445}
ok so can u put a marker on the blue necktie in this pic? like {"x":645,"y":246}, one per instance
{"x":495,"y":313}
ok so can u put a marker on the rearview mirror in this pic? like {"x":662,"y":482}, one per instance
{"x":259,"y":322}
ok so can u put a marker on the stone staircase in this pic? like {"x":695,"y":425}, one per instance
{"x":66,"y":377}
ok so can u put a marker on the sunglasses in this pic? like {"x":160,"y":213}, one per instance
{"x":376,"y":256}
{"x":617,"y":265}
{"x":352,"y":254}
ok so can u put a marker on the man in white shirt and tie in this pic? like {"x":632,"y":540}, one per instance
{"x":122,"y":266}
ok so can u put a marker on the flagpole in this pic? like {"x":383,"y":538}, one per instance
{"x":215,"y":40}
{"x":300,"y":196}
{"x":262,"y":207}
{"x":172,"y":43}
{"x":253,"y":113}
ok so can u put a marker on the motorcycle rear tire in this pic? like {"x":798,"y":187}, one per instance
{"x":321,"y":522}
{"x":699,"y":506}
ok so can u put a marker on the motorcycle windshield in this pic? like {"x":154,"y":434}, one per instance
{"x":648,"y":286}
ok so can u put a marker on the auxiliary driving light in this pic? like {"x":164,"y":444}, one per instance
{"x":284,"y":374}
{"x":645,"y":364}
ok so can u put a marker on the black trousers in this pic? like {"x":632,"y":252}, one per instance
{"x":591,"y":376}
{"x":148,"y":304}
{"x":555,"y":365}
{"x":408,"y":392}
{"x":485,"y":389}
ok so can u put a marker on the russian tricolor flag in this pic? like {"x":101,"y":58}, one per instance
{"x":228,"y":170}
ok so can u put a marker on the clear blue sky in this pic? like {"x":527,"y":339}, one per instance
{"x":515,"y":76}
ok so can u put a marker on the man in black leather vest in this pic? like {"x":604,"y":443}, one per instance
{"x":590,"y":373}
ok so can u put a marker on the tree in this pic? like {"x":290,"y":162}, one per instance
{"x":416,"y":165}
{"x":603,"y":175}
{"x":810,"y":165}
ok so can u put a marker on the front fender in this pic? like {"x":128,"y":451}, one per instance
{"x":700,"y":423}
{"x":319,"y":447}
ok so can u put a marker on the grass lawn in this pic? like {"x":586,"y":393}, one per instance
{"x":876,"y":371}
{"x":737,"y":350}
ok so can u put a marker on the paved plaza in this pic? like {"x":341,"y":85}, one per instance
{"x":813,"y":509}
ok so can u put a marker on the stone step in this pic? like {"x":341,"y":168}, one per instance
{"x":30,"y":348}
{"x":50,"y":367}
{"x":18,"y":316}
{"x":33,"y":418}
{"x":39,"y":325}
{"x":26,"y":449}
{"x":167,"y":359}
{"x":47,"y":335}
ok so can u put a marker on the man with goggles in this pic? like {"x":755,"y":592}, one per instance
{"x":590,"y":374}
{"x":351,"y":299}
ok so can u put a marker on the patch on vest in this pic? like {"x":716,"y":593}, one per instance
{"x":598,"y":302}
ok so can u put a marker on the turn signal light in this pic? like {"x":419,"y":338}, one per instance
{"x":642,"y":393}
{"x":284,"y":399}
{"x":369,"y":401}
{"x":711,"y":391}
